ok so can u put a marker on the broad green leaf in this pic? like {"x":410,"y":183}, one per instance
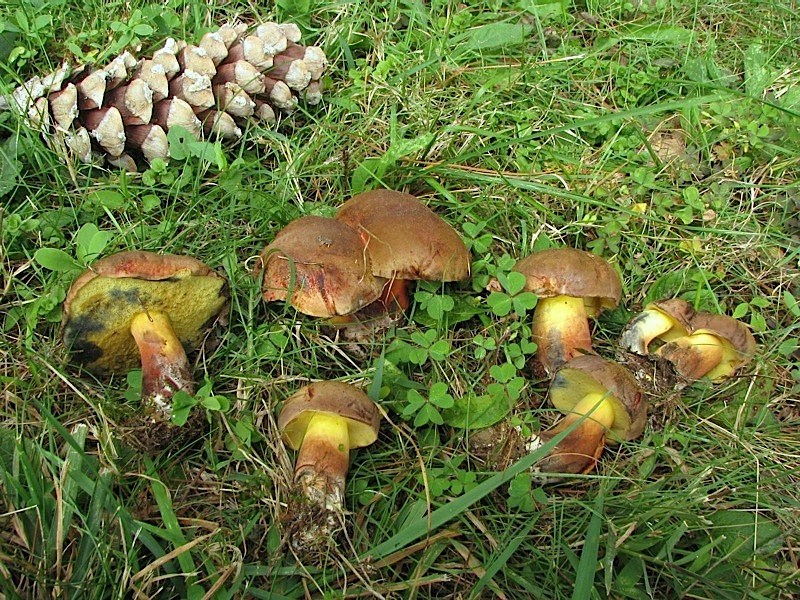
{"x":473,"y":411}
{"x":515,"y":283}
{"x":756,"y":75}
{"x":499,"y":303}
{"x":493,"y":35}
{"x":56,"y":260}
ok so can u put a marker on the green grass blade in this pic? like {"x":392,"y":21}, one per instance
{"x":587,"y":567}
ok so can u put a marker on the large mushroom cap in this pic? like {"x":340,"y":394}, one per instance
{"x":590,"y":374}
{"x":571,"y":272}
{"x":405,"y":238}
{"x":102,"y":302}
{"x":333,"y":398}
{"x":323,"y":264}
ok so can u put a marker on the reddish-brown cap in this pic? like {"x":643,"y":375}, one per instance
{"x":332,"y":398}
{"x":102,"y":302}
{"x":571,"y":272}
{"x":405,"y":238}
{"x":591,"y":374}
{"x":322,"y":265}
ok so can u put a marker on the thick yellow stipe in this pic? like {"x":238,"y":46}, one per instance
{"x":598,"y":407}
{"x":561,"y":330}
{"x":155,"y":328}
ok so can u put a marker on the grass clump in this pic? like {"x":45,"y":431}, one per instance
{"x":660,"y":135}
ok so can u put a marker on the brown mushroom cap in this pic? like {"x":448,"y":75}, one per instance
{"x":324,"y":264}
{"x":333,"y":398}
{"x":571,"y":272}
{"x":590,"y":374}
{"x":405,"y":238}
{"x":102,"y":302}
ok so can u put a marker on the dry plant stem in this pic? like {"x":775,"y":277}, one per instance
{"x":165,"y":367}
{"x":581,"y":448}
{"x":561,"y":330}
{"x":322,"y":461}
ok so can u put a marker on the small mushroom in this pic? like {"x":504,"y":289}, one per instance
{"x":321,"y":266}
{"x":572,"y":285}
{"x":141,"y":308}
{"x":607,"y":401}
{"x":323,"y":422}
{"x":406,"y":241}
{"x":698,"y":344}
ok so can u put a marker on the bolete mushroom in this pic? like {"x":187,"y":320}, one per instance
{"x":572,"y":285}
{"x":321,"y":266}
{"x":698,"y":344}
{"x":606,"y":402}
{"x":140,"y":308}
{"x":323,"y":422}
{"x":406,"y":241}
{"x":664,"y":320}
{"x":717,"y":346}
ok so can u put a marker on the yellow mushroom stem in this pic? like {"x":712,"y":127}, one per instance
{"x":323,"y":460}
{"x":701,"y":354}
{"x":579,"y":450}
{"x":165,"y":367}
{"x":561,"y":330}
{"x":644,"y":328}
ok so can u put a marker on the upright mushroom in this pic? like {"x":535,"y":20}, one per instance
{"x":321,"y":266}
{"x":572,"y":285}
{"x":323,"y":422}
{"x":406,"y":241}
{"x":606,"y":402}
{"x":698,"y":344}
{"x":140,"y":308}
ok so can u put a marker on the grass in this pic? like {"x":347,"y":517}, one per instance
{"x":662,"y":135}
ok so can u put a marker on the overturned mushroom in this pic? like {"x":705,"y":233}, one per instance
{"x":698,"y":344}
{"x":406,"y":241}
{"x":323,"y":422}
{"x":144,"y":309}
{"x":606,"y":402}
{"x":572,"y":285}
{"x":665,"y":320}
{"x":717,"y":346}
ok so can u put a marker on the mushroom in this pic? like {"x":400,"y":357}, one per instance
{"x":323,"y":422}
{"x":606,"y":402}
{"x":665,"y":320}
{"x":717,"y":346}
{"x":141,"y":308}
{"x":572,"y":285}
{"x":321,"y":266}
{"x":406,"y":241}
{"x":698,"y":344}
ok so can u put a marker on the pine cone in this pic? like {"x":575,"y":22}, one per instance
{"x":121,"y":113}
